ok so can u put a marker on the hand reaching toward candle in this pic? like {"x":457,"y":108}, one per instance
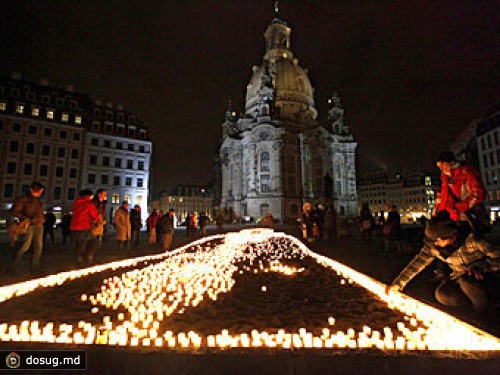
{"x":391,"y":289}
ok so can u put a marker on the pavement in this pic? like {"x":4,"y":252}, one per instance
{"x":361,"y":254}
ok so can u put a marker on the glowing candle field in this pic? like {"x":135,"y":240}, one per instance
{"x":250,"y":289}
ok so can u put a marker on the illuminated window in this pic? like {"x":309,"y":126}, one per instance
{"x":3,"y":106}
{"x":115,"y":198}
{"x":20,"y":109}
{"x":35,"y":112}
{"x":65,"y":117}
{"x":78,"y":120}
{"x":50,"y":114}
{"x":127,"y":198}
{"x":138,"y":199}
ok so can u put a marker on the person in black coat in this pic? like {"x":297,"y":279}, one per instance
{"x":135,"y":225}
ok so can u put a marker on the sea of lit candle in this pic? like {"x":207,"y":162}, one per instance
{"x":183,"y":279}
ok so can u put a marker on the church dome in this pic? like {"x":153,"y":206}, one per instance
{"x":292,"y":92}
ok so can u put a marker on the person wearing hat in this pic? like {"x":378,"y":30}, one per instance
{"x":461,"y":188}
{"x":472,"y":262}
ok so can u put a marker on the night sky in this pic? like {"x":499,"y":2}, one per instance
{"x":411,"y":74}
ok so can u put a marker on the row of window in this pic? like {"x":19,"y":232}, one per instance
{"x":117,"y":199}
{"x":494,"y":195}
{"x":21,"y":109}
{"x":489,"y":158}
{"x":15,"y":147}
{"x":109,"y":128}
{"x":44,"y":98}
{"x":488,"y":141}
{"x":43,"y":170}
{"x":106,"y":161}
{"x":57,"y":192}
{"x":104,"y":180}
{"x":47,"y":132}
{"x":118,"y":145}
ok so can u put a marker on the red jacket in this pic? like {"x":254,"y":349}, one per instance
{"x":84,"y":213}
{"x":460,"y":191}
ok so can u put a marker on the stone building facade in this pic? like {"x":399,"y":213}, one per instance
{"x":65,"y":140}
{"x":277,"y":156}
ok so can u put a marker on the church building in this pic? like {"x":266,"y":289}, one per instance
{"x":277,"y":156}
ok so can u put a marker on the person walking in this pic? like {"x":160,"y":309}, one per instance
{"x":166,"y":226}
{"x":474,"y":263}
{"x":122,"y":224}
{"x":159,"y":239}
{"x":203,"y":221}
{"x":30,"y":208}
{"x":219,"y":222}
{"x":308,"y":223}
{"x":330,"y":225}
{"x":152,"y":221}
{"x":98,"y":227}
{"x":135,"y":226}
{"x":84,"y":215}
{"x":65,"y":223}
{"x":366,"y":221}
{"x":48,"y":225}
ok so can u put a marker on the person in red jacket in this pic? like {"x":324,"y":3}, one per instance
{"x":461,"y":188}
{"x":84,"y":214}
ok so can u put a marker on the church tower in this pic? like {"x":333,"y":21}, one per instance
{"x":276,"y":156}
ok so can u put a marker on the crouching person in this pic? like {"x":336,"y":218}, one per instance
{"x":474,"y":263}
{"x":84,"y":215}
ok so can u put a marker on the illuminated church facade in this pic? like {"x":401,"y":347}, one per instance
{"x":277,"y":156}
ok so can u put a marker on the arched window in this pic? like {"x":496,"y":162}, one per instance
{"x":264,"y":162}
